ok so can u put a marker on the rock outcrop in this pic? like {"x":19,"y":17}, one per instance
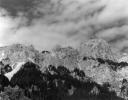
{"x":90,"y":53}
{"x":67,"y":57}
{"x":122,"y":72}
{"x":18,"y":53}
{"x":96,"y":48}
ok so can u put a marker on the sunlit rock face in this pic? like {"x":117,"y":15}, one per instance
{"x":123,"y":72}
{"x":97,"y":48}
{"x":89,"y":52}
{"x":17,"y":53}
{"x":69,"y":56}
{"x":124,"y":58}
{"x":66,"y":56}
{"x":100,"y":74}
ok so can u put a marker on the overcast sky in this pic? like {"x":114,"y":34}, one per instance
{"x":64,"y":22}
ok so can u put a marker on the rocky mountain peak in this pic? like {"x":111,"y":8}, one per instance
{"x":96,"y":48}
{"x":17,"y":52}
{"x":97,"y":59}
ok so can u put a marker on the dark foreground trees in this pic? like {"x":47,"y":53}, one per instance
{"x":28,"y":78}
{"x":4,"y":82}
{"x":14,"y":93}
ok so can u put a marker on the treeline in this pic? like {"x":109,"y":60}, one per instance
{"x":55,"y":83}
{"x":114,"y":65}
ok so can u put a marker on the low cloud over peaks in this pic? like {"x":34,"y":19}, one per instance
{"x":64,"y":22}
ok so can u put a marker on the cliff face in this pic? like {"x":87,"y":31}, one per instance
{"x":97,"y":48}
{"x":122,"y":73}
{"x":18,"y":53}
{"x":67,"y":57}
{"x":94,"y":56}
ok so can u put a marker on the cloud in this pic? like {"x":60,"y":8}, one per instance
{"x":68,"y":22}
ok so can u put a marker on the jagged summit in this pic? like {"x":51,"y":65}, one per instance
{"x":97,"y":48}
{"x":17,"y":52}
{"x":66,"y":56}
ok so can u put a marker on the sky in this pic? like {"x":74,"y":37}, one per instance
{"x":48,"y":23}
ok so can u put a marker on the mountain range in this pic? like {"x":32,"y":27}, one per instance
{"x":95,"y":57}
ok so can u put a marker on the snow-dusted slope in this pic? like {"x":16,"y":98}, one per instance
{"x":18,"y":66}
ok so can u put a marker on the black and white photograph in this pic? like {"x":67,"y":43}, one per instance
{"x":63,"y":49}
